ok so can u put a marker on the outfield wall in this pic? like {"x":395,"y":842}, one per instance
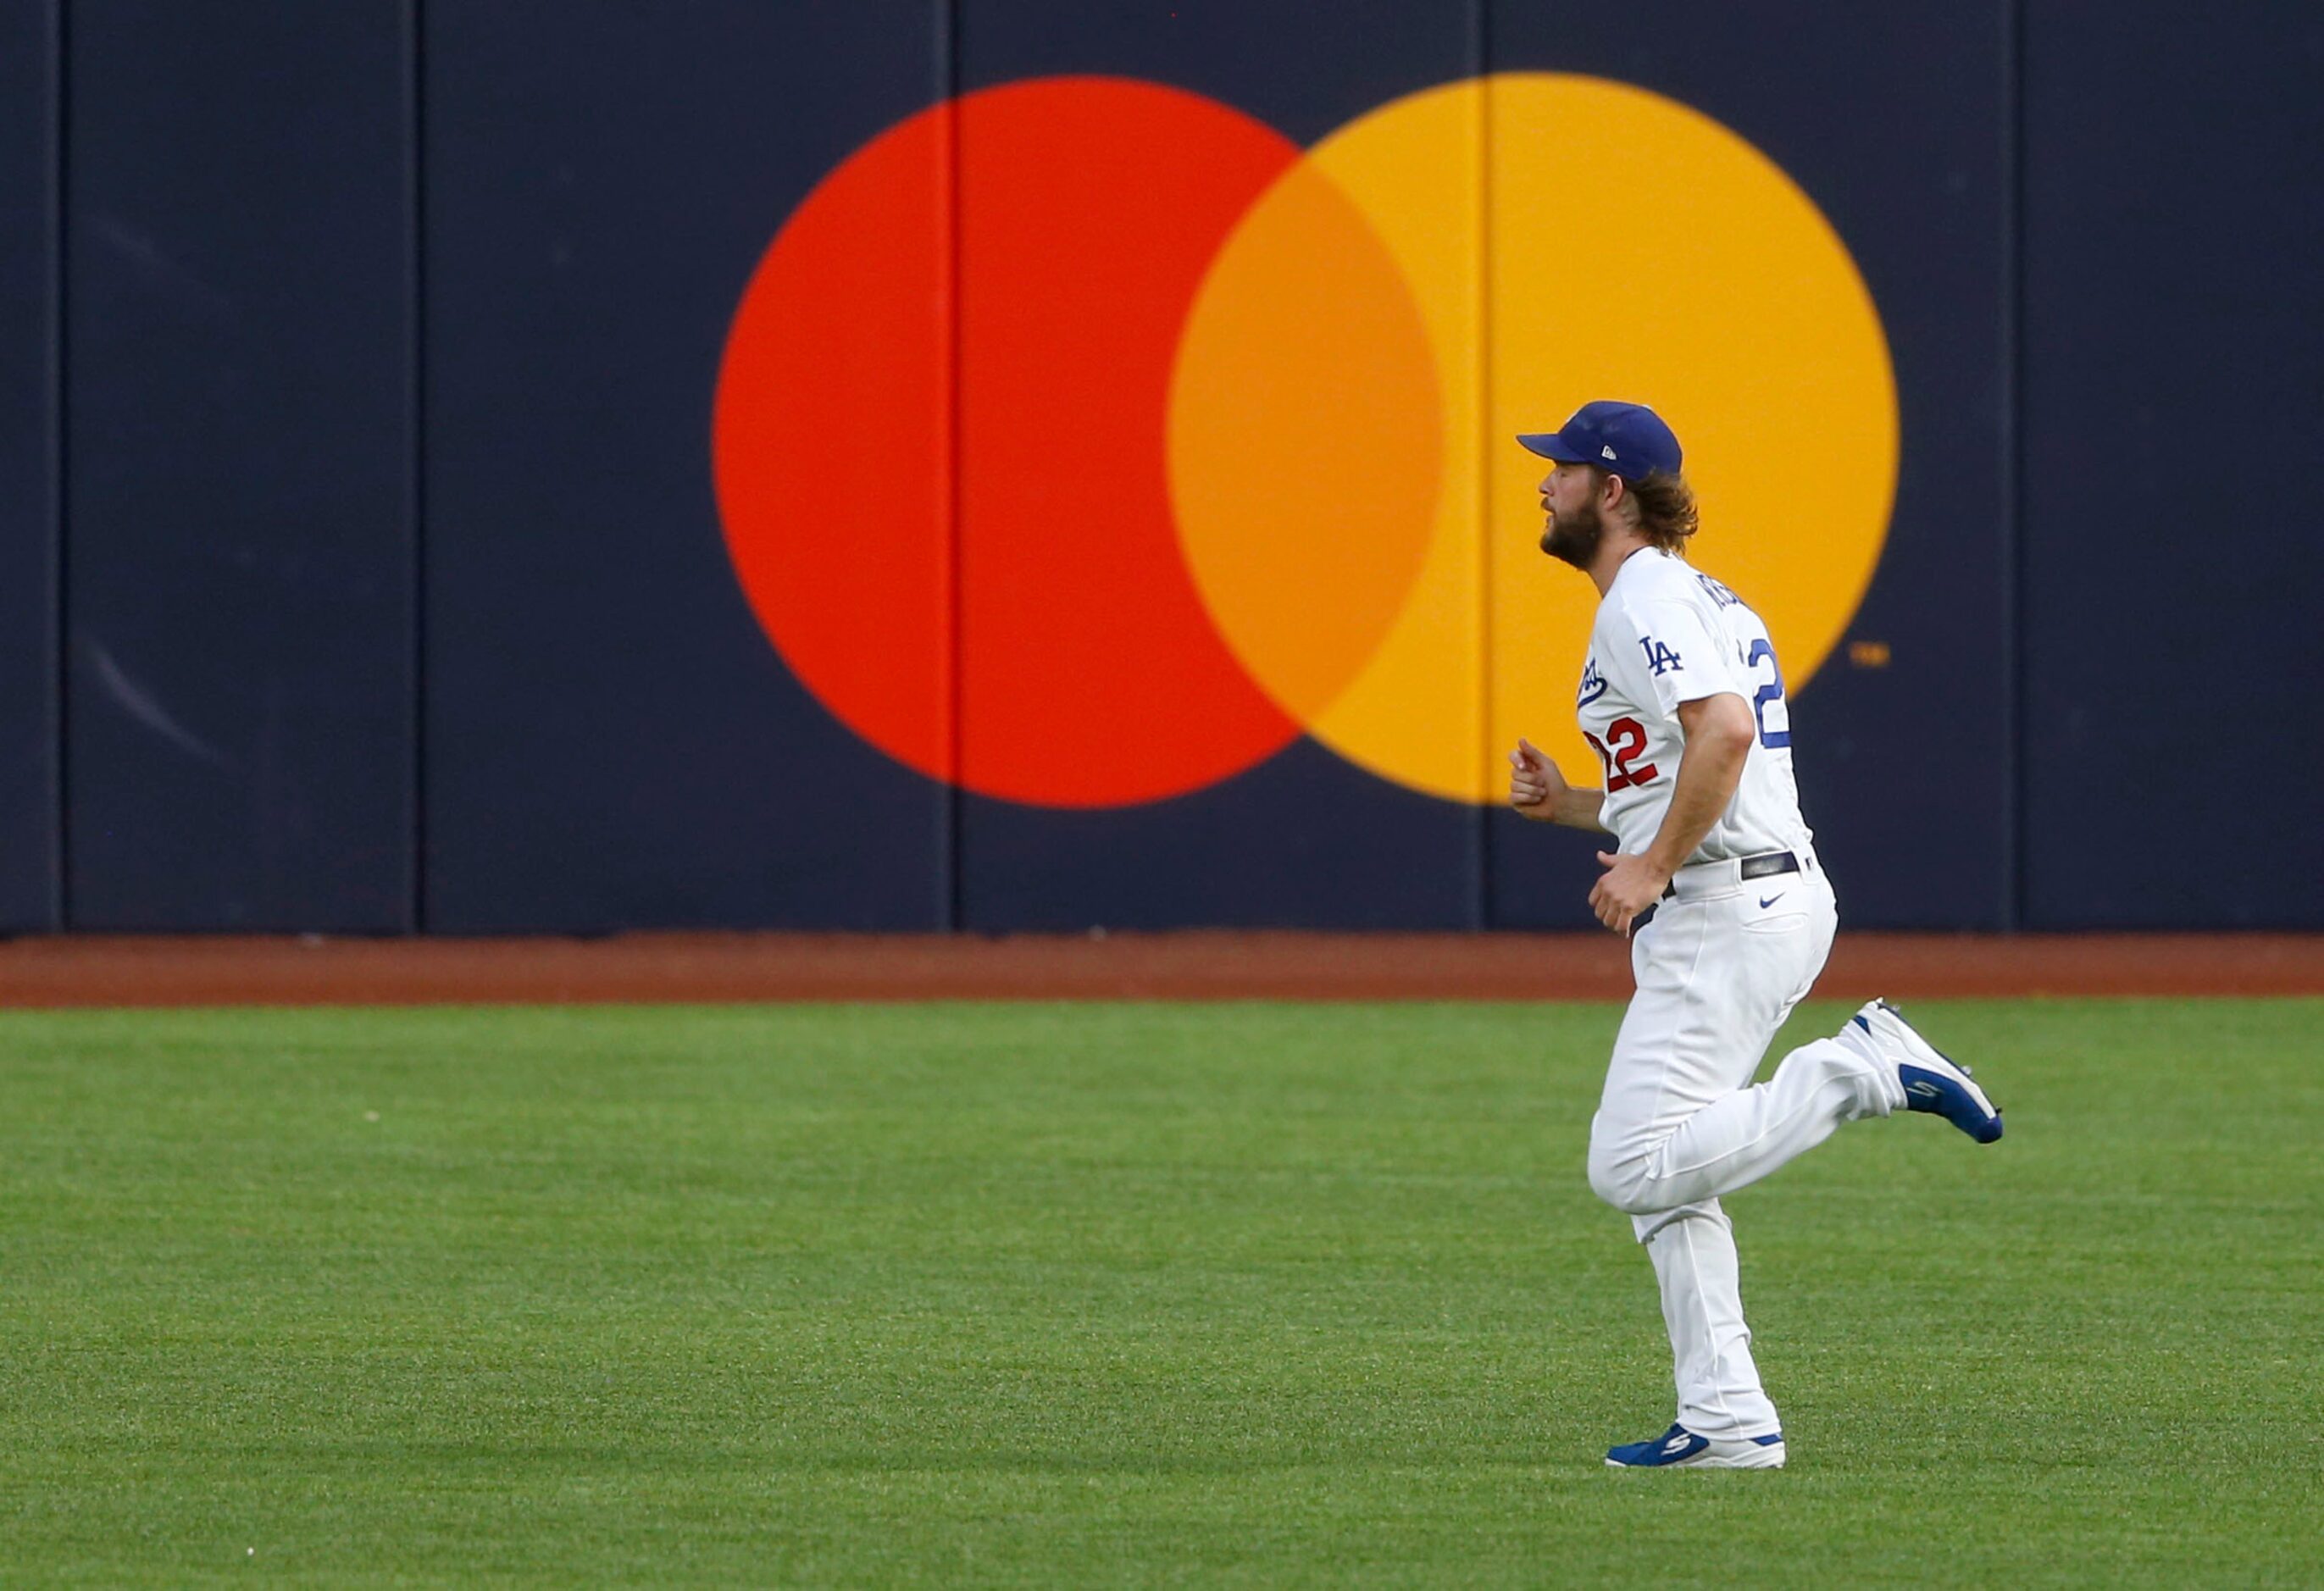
{"x":432,"y":497}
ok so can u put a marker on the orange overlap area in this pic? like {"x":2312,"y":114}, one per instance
{"x":1083,"y":442}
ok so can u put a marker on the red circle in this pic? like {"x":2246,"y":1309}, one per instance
{"x":990,"y":590}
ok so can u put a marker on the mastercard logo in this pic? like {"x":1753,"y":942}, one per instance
{"x":1083,"y":442}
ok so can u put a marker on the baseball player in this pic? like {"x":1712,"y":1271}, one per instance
{"x":1713,"y":876}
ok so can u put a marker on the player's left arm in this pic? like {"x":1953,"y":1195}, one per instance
{"x":1720,"y":730}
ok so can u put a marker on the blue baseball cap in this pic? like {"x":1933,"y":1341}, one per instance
{"x":1626,"y":440}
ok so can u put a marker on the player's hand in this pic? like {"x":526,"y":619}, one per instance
{"x":1535,"y":784}
{"x":1631,"y":886}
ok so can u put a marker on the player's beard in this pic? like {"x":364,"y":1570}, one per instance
{"x":1574,"y":538}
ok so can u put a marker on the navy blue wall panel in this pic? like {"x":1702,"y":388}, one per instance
{"x":611,"y":739}
{"x":2174,"y":415}
{"x":1303,"y":838}
{"x":28,"y":465}
{"x":239,"y":608}
{"x":1894,"y":121}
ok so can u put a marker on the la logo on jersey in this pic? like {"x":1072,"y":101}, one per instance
{"x":1659,"y":657}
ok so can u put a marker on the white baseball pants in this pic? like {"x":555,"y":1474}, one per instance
{"x":1718,"y":969}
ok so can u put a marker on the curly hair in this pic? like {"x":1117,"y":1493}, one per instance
{"x":1667,"y":511}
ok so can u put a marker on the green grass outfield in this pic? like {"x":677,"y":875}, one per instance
{"x":1082,"y":1294}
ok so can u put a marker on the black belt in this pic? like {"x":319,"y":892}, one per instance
{"x":1765,"y":866}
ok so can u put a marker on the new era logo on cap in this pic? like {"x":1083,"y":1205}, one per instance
{"x":1627,"y":438}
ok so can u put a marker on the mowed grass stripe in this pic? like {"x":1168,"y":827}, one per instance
{"x":1072,"y":1295}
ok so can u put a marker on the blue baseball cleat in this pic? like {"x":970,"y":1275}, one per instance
{"x":1933,"y":1081}
{"x":1681,"y":1448}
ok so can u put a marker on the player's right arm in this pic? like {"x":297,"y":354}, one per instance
{"x":1538,"y":791}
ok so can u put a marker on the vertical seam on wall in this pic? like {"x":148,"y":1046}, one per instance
{"x":59,"y":460}
{"x":946,"y":16}
{"x":1481,"y":811}
{"x":417,"y":418}
{"x":2012,"y":502}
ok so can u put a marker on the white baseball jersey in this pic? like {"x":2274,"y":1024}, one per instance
{"x":1667,"y":634}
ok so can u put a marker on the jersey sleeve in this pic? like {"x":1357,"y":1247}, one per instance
{"x":1683,"y":655}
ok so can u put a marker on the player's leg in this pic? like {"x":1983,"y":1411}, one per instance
{"x":1719,"y":1392}
{"x":1725,"y":1418}
{"x":1677,"y":1125}
{"x":1716,"y":979}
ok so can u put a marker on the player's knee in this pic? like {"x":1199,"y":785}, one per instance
{"x":1622,"y":1169}
{"x":1623,"y":1182}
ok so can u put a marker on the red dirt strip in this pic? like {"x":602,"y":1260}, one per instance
{"x":86,"y":970}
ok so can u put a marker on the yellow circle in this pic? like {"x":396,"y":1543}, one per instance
{"x":1563,"y":238}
